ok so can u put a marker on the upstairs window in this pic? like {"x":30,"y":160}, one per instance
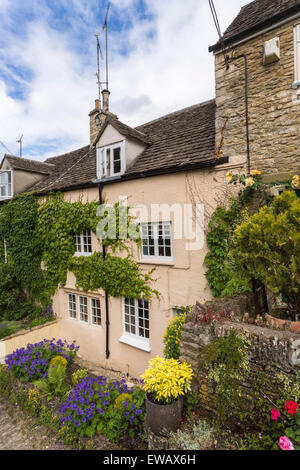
{"x":83,"y":243}
{"x":5,"y":184}
{"x":111,"y":160}
{"x":157,"y":240}
{"x":297,"y":53}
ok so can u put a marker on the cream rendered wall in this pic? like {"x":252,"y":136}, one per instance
{"x":180,"y":282}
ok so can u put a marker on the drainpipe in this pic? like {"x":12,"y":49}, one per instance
{"x":228,"y":60}
{"x":106,"y":294}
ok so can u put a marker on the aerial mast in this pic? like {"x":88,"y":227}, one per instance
{"x":106,"y":43}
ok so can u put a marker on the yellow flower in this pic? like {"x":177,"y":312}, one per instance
{"x":249,"y":182}
{"x":255,"y":173}
{"x":296,"y":182}
{"x":229,"y":177}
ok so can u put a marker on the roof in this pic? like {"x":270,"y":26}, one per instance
{"x":255,"y":16}
{"x":70,"y":169}
{"x":18,"y":163}
{"x":178,"y":140}
{"x":123,"y":129}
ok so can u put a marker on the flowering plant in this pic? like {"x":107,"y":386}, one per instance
{"x":254,"y":180}
{"x":94,"y":406}
{"x":295,"y":182}
{"x":292,"y":418}
{"x":32,"y":363}
{"x":172,"y":336}
{"x":166,"y":380}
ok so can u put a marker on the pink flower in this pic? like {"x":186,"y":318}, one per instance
{"x":275,"y":414}
{"x":291,"y":407}
{"x":285,"y":443}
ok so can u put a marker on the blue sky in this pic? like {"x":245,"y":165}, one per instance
{"x":158,"y":55}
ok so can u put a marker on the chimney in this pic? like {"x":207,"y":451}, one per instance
{"x":95,"y":121}
{"x":105,"y":100}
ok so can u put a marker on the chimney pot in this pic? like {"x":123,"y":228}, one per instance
{"x":97,"y":104}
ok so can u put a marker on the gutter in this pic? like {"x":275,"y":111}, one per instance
{"x":270,"y":23}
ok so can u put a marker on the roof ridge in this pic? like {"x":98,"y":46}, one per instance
{"x":27,"y":159}
{"x":176,"y":112}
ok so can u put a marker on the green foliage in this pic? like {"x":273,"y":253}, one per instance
{"x":172,"y":335}
{"x":221,"y":270}
{"x":267,"y":247}
{"x":8,"y":328}
{"x":78,"y":376}
{"x":199,"y":436}
{"x":226,"y":361}
{"x":54,"y":385}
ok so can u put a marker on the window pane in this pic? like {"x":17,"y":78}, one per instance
{"x":96,"y":312}
{"x":83,"y":308}
{"x":117,"y":160}
{"x":72,"y":305}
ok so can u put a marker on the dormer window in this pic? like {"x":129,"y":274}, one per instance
{"x":111,"y":160}
{"x":5,"y":184}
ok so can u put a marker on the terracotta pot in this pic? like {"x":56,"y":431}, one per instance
{"x":163,"y":417}
{"x":280,"y":324}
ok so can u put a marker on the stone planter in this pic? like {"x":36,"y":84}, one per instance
{"x":163,"y":417}
{"x":280,"y":324}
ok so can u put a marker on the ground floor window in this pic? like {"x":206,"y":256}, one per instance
{"x":136,"y":318}
{"x":89,"y":308}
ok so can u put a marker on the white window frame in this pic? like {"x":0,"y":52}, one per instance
{"x":86,"y":322}
{"x":81,"y":236}
{"x":2,"y":198}
{"x":297,"y":55}
{"x":69,"y":310}
{"x":99,"y":316}
{"x":102,"y":160}
{"x":135,"y":339}
{"x":155,"y":227}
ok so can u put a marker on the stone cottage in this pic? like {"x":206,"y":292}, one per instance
{"x":174,"y":163}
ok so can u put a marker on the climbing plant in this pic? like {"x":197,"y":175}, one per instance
{"x":222,"y":274}
{"x":40,"y":242}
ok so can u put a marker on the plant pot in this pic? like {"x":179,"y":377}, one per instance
{"x":280,"y":324}
{"x":163,"y":417}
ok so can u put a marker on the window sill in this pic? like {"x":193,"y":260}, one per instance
{"x":77,"y":254}
{"x":135,"y":343}
{"x":157,"y":261}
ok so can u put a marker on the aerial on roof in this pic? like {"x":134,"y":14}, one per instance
{"x":18,"y":163}
{"x":176,"y":141}
{"x":255,"y":16}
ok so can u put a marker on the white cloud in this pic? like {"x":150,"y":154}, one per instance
{"x":167,"y":67}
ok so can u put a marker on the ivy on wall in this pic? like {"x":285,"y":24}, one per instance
{"x":40,"y":240}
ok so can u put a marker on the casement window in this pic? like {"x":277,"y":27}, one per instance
{"x":5,"y":184}
{"x":157,"y":240}
{"x":83,"y":309}
{"x":136,"y":318}
{"x":297,"y":53}
{"x":72,"y":306}
{"x":83,"y":243}
{"x":111,"y":160}
{"x":96,"y":312}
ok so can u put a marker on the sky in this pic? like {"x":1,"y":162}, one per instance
{"x":158,"y":63}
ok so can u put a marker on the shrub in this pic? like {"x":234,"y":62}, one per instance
{"x":166,"y":380}
{"x":90,"y":408}
{"x":267,"y":247}
{"x":197,"y":437}
{"x":54,"y":384}
{"x":78,"y":376}
{"x":172,"y":336}
{"x":31,"y":363}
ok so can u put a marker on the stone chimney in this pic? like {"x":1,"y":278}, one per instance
{"x":105,"y":100}
{"x":95,"y":121}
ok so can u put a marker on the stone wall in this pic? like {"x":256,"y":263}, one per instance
{"x":274,"y":106}
{"x":272,"y":352}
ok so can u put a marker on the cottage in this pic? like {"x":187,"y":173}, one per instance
{"x":172,"y":169}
